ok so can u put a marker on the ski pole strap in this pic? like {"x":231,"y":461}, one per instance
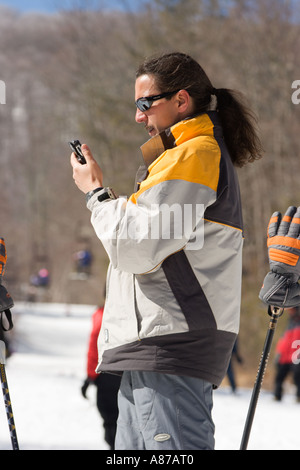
{"x":8,"y":316}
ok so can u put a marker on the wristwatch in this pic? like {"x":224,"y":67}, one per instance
{"x":104,"y":193}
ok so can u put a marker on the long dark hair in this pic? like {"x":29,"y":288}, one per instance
{"x":175,"y":71}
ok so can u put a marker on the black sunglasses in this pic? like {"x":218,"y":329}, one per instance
{"x":146,"y":102}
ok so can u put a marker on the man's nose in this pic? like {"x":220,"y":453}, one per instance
{"x":140,"y":116}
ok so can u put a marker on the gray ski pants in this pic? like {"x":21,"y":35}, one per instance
{"x":164,"y":412}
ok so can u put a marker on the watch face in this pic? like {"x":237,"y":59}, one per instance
{"x":110,"y":193}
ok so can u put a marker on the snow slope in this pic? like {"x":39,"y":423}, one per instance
{"x":47,"y":369}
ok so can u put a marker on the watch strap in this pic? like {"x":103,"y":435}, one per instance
{"x":106,"y":193}
{"x":92,"y":192}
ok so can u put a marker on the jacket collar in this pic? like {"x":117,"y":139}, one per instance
{"x":155,"y":146}
{"x":181,"y":132}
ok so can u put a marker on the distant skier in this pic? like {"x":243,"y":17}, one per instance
{"x":107,"y":384}
{"x":230,"y":370}
{"x":286,"y":351}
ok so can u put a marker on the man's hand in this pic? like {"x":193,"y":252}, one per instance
{"x":88,"y":176}
{"x":281,"y":287}
{"x":85,"y":386}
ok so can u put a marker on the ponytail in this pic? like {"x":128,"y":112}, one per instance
{"x":239,"y":127}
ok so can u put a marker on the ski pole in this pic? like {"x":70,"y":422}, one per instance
{"x":275,"y":313}
{"x":7,"y":402}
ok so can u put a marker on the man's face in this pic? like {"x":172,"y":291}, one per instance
{"x":163,"y":113}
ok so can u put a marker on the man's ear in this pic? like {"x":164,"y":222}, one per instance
{"x":184,"y":102}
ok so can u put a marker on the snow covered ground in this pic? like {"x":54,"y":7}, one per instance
{"x":47,"y":369}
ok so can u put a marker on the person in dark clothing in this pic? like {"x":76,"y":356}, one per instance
{"x":288,"y":355}
{"x":107,"y":384}
{"x":230,"y":370}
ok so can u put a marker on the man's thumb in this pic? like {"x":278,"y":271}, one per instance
{"x":86,"y":151}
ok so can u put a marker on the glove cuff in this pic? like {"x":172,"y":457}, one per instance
{"x":6,"y":302}
{"x":292,"y":277}
{"x":280,"y":291}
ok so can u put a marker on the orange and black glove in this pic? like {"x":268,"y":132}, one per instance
{"x":281,"y":287}
{"x":6,"y":302}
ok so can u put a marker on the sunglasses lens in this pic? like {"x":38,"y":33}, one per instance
{"x":143,"y":104}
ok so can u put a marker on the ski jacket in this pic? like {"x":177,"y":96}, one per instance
{"x":175,"y":250}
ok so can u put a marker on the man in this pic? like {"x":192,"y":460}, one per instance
{"x":173,"y":288}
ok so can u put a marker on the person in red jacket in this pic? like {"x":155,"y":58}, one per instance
{"x":288,"y":355}
{"x":107,"y":384}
